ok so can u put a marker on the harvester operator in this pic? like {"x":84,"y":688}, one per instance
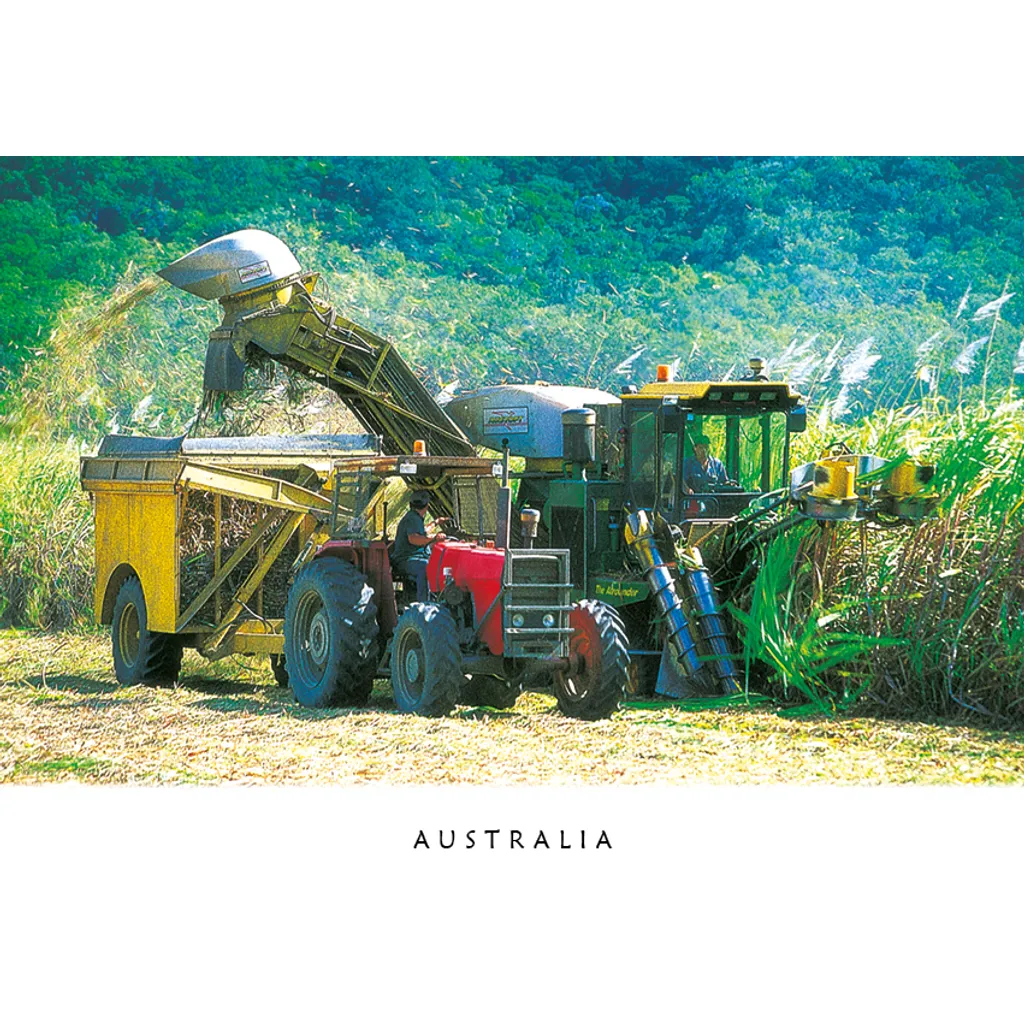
{"x":412,"y":544}
{"x":702,"y":472}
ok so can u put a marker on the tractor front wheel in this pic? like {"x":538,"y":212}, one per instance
{"x":594,"y":687}
{"x":141,"y":657}
{"x":426,"y":664}
{"x":330,"y":635}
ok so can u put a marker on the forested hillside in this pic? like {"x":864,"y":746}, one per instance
{"x":867,"y":280}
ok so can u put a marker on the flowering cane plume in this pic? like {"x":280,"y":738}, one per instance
{"x":801,"y":373}
{"x":791,"y":355}
{"x":626,"y":366}
{"x":1018,"y":363}
{"x":447,"y":393}
{"x":856,"y":367}
{"x":139,"y":412}
{"x":830,"y":361}
{"x":965,"y":361}
{"x":822,"y":421}
{"x":924,"y":372}
{"x":991,"y":308}
{"x":841,"y":405}
{"x":927,"y":346}
{"x":963,"y":303}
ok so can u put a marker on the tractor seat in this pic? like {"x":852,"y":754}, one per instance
{"x":408,"y":583}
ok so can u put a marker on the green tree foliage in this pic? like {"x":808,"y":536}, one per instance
{"x":559,"y":267}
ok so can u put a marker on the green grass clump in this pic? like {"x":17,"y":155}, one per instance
{"x":81,"y":766}
{"x":46,"y":559}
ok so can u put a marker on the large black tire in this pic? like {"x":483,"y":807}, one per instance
{"x":599,"y":645}
{"x":488,"y":692}
{"x":140,"y":656}
{"x":330,"y":635}
{"x":426,"y":664}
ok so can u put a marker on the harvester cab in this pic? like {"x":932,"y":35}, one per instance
{"x":704,"y":450}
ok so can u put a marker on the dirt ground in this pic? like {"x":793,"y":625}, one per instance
{"x":63,"y":716}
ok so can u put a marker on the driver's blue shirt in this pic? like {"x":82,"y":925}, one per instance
{"x":405,"y":551}
{"x":700,"y":479}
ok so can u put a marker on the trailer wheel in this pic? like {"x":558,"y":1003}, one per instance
{"x":280,"y":670}
{"x":426,"y":664}
{"x":599,"y":644}
{"x":330,"y":635}
{"x":488,"y":692}
{"x":141,"y":657}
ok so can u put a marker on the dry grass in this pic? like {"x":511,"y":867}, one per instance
{"x":62,"y":717}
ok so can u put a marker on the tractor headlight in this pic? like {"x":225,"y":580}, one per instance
{"x":549,"y":620}
{"x":517,"y":620}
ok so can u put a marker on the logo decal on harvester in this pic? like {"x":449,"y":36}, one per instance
{"x":254,"y":270}
{"x":514,"y":420}
{"x":615,"y":588}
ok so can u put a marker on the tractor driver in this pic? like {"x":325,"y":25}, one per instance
{"x":412,"y":544}
{"x":703,"y":472}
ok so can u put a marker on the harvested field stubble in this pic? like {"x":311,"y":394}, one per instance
{"x":63,"y":717}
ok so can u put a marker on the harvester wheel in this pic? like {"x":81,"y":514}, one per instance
{"x":330,"y":635}
{"x":599,"y":645}
{"x":280,"y":670}
{"x":426,"y":664}
{"x":488,"y":692}
{"x":140,"y":656}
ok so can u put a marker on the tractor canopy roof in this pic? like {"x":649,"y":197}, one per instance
{"x":726,"y":396}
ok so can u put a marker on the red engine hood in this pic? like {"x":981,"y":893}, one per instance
{"x":476,"y":570}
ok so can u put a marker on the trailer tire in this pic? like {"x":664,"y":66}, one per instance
{"x":330,"y":635}
{"x":599,"y":643}
{"x":426,"y":663}
{"x":141,"y":657}
{"x":488,"y":692}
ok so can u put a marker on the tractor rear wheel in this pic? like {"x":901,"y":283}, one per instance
{"x":426,"y":663}
{"x":488,"y":692}
{"x":598,"y":646}
{"x":330,"y":635}
{"x":141,"y":657}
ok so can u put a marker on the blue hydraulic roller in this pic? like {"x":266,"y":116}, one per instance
{"x":693,"y":650}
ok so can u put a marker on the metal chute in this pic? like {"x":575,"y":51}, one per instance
{"x":269,"y":306}
{"x":232,"y":264}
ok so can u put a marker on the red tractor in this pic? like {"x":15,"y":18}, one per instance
{"x":498,"y":620}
